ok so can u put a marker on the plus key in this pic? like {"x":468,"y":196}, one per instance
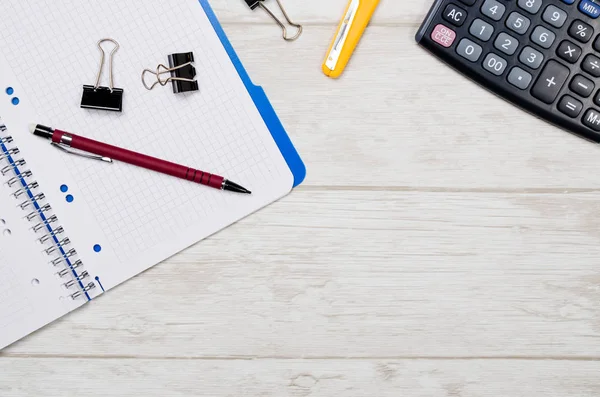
{"x":550,"y":82}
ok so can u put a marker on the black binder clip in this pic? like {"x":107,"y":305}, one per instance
{"x":103,"y":98}
{"x":258,"y":3}
{"x":181,"y":70}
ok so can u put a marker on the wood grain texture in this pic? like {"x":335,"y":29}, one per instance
{"x":444,"y":244}
{"x":399,"y":118}
{"x":318,"y":12}
{"x":364,"y":274}
{"x":299,"y":378}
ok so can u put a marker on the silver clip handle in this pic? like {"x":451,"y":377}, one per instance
{"x":281,"y":25}
{"x":110,"y":64}
{"x":80,"y":153}
{"x":162,"y":69}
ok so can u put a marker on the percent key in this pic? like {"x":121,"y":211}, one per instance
{"x":581,"y":31}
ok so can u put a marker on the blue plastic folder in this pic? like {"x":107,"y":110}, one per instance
{"x":262,"y":103}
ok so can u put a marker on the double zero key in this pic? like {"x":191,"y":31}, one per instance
{"x":550,"y":82}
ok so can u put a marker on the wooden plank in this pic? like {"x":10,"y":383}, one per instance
{"x":315,"y":12}
{"x":400,"y":118}
{"x":410,"y":263}
{"x":363,"y":274}
{"x":278,"y":378}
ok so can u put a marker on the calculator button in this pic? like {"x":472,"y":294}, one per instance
{"x":581,"y":31}
{"x":582,"y":86}
{"x":592,"y":119}
{"x":568,"y":1}
{"x":518,"y":23}
{"x":597,"y":98}
{"x":469,"y":50}
{"x":493,"y":9}
{"x":554,"y":16}
{"x":507,"y":44}
{"x":570,"y":106}
{"x":589,"y":8}
{"x":597,"y":44}
{"x":494,"y":64}
{"x":481,"y":29}
{"x":550,"y":82}
{"x":531,"y":57}
{"x":591,"y":64}
{"x":543,"y":37}
{"x":569,"y":51}
{"x":519,"y":78}
{"x":443,"y":35}
{"x":531,"y":6}
{"x":455,"y":15}
{"x":469,"y":2}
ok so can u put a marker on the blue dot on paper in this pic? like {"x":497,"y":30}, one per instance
{"x":15,"y":101}
{"x":10,"y":91}
{"x":97,"y":248}
{"x":70,"y":198}
{"x":64,"y":188}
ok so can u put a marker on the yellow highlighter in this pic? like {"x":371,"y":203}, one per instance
{"x":355,"y":21}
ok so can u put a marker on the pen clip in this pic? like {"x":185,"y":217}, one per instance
{"x":80,"y":153}
{"x":340,"y":40}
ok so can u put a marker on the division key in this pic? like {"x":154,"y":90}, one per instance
{"x":550,"y":82}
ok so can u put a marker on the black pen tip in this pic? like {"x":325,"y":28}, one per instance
{"x":234,"y":187}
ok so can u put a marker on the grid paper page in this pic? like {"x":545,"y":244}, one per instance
{"x":14,"y":303}
{"x":25,"y":305}
{"x":139,"y":216}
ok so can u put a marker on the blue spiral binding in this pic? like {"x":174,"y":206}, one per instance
{"x":22,"y":178}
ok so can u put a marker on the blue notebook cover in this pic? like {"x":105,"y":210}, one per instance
{"x":262,"y":103}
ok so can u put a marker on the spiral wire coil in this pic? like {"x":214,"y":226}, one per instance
{"x":47,"y":232}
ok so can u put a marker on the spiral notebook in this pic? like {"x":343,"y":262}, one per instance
{"x":72,"y":228}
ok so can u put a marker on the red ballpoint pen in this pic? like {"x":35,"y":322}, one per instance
{"x":102,"y":151}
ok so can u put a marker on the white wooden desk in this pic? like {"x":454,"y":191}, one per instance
{"x":445,"y":243}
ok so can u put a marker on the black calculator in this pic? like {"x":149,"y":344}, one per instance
{"x":541,"y":55}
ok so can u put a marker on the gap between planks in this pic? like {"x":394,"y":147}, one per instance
{"x":308,"y":358}
{"x":439,"y":189}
